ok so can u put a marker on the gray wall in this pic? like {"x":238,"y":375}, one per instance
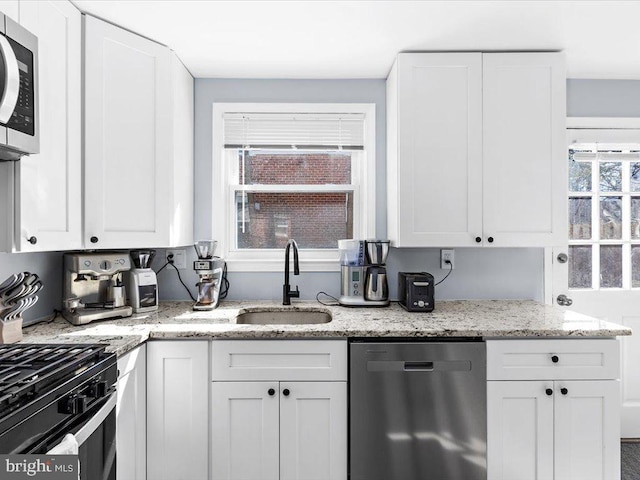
{"x":480,"y":273}
{"x":603,"y":98}
{"x":208,"y":91}
{"x":48,"y":266}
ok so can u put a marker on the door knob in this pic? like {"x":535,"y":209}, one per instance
{"x":286,"y":392}
{"x":271,"y":392}
{"x":548,"y":391}
{"x":564,"y":391}
{"x":564,"y":301}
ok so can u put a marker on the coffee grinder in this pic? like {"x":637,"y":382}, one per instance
{"x":141,"y":281}
{"x":210,"y":270}
{"x":363,"y":274}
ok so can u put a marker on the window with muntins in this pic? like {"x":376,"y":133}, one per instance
{"x":604,"y":216}
{"x":292,"y":171}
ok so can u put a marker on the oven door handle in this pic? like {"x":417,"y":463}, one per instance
{"x":94,"y":422}
{"x":12,"y":81}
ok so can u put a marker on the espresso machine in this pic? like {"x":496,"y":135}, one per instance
{"x":363,"y":273}
{"x":92,"y":286}
{"x":141,"y":282}
{"x":210,"y":271}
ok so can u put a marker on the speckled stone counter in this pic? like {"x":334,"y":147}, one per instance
{"x":464,"y":318}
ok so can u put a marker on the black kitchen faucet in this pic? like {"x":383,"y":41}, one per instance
{"x":286,"y":292}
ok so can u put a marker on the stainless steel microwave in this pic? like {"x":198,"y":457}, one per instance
{"x":19,"y":132}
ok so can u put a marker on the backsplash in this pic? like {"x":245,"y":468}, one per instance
{"x":481,"y":273}
{"x":48,"y":266}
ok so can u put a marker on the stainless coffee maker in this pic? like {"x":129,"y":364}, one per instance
{"x":92,"y":286}
{"x":364,"y":276}
{"x":210,"y":271}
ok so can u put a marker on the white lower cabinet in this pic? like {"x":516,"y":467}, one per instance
{"x":555,"y":429}
{"x":131,"y":407}
{"x":245,"y":430}
{"x":313,"y":430}
{"x":177,"y":410}
{"x":286,"y":428}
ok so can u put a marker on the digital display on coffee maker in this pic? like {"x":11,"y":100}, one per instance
{"x":355,"y":276}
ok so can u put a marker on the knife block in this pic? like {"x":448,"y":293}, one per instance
{"x":11,"y":331}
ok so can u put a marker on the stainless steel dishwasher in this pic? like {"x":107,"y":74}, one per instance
{"x":418,"y":410}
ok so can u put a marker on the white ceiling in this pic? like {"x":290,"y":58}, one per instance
{"x":359,"y":39}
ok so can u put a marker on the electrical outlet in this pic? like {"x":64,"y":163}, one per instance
{"x":447,"y":255}
{"x":179,"y":257}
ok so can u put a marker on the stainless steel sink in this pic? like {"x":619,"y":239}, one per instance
{"x":287,"y":317}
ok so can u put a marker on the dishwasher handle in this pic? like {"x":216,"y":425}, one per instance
{"x":419,"y":366}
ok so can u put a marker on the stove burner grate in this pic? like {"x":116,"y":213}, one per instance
{"x":28,"y":369}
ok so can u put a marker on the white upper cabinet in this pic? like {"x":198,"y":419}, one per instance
{"x":138,"y":141}
{"x":475,"y":152}
{"x":434,"y":162}
{"x":48,"y":184}
{"x":524,"y":148}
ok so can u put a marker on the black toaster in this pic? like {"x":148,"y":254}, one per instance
{"x":416,"y":291}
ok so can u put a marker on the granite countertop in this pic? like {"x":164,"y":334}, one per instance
{"x":460,"y":318}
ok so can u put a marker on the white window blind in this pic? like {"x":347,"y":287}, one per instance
{"x":292,"y":130}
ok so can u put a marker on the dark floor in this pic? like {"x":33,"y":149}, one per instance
{"x":630,"y":453}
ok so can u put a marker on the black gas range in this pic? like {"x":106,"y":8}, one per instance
{"x":50,"y":390}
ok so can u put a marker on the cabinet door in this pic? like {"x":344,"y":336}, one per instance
{"x":524,"y":148}
{"x":435,"y":149}
{"x":49,"y":189}
{"x":177,"y":410}
{"x":181,"y":218}
{"x":245,"y":431}
{"x":131,"y":415}
{"x":587,"y":430}
{"x":520,"y":431}
{"x":127,"y":168}
{"x":313,"y":431}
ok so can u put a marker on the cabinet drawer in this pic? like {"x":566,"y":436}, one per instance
{"x":235,"y":360}
{"x":552,"y":359}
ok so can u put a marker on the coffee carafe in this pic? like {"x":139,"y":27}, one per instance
{"x":376,"y":288}
{"x":364,"y":276}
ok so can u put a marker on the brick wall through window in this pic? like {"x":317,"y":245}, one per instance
{"x":313,"y":219}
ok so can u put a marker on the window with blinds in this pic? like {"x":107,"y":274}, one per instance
{"x":296,"y":174}
{"x":604,"y":215}
{"x":294,"y":131}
